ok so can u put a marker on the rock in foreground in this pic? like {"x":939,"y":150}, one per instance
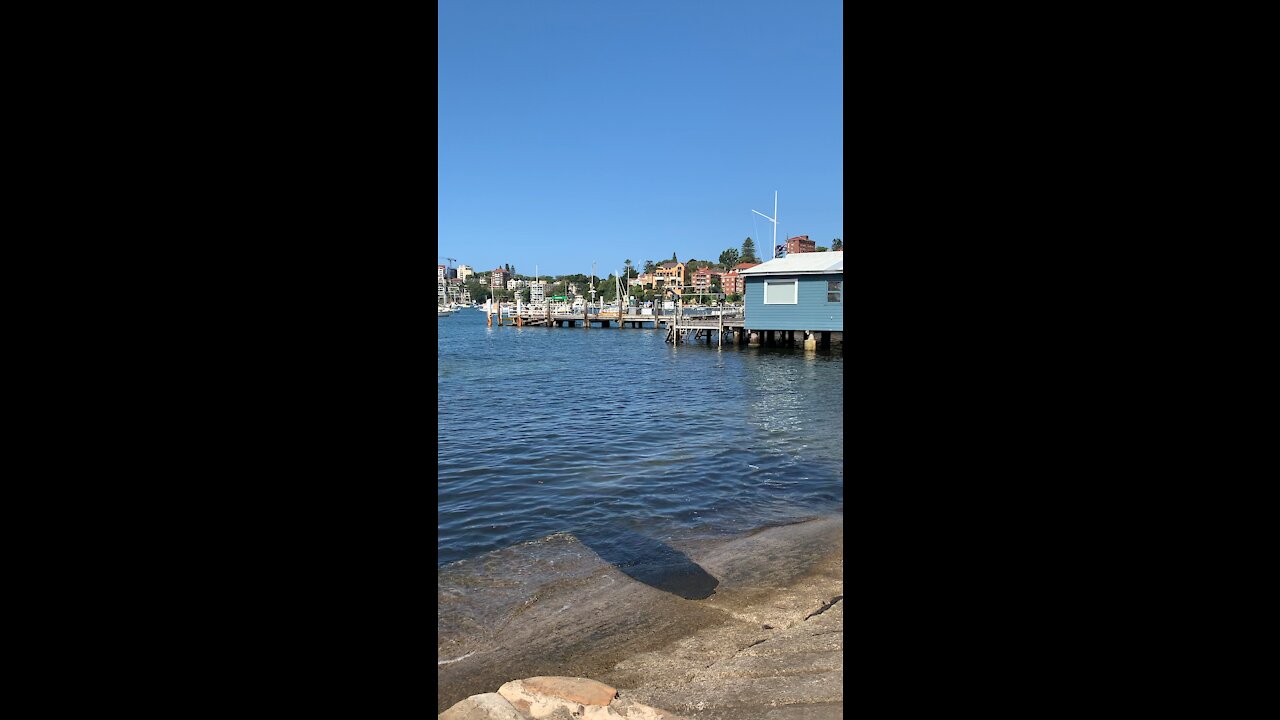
{"x":553,"y":698}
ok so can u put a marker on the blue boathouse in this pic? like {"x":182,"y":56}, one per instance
{"x":796,"y":298}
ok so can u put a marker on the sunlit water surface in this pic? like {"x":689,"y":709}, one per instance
{"x":610,"y":434}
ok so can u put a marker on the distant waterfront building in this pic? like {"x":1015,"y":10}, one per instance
{"x":801,"y":244}
{"x":464,"y":272}
{"x":702,"y":279}
{"x":454,"y":290}
{"x":671,"y":273}
{"x":499,"y":279}
{"x":440,"y":293}
{"x":514,"y":284}
{"x":731,"y":282}
{"x":643,"y":280}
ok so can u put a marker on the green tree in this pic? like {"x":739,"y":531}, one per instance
{"x":627,"y":269}
{"x":729,"y":258}
{"x":507,"y":267}
{"x":748,"y":254}
{"x":525,"y":294}
{"x":821,"y":248}
{"x":607,"y":289}
{"x":477,"y":289}
{"x":650,"y":266}
{"x":673,"y":257}
{"x":837,"y":244}
{"x":689,"y":269}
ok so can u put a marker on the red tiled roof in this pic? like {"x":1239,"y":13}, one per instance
{"x":669,"y":264}
{"x":744,"y":266}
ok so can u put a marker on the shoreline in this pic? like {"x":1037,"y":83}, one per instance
{"x":747,"y":650}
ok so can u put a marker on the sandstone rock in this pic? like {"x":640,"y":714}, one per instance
{"x":556,"y":698}
{"x":489,"y":706}
{"x":574,"y":690}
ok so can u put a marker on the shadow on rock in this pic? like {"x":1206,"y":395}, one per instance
{"x":651,"y":562}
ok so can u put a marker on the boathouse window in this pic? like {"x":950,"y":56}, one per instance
{"x":834,"y":293}
{"x":779,"y":292}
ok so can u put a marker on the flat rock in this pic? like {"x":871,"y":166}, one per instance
{"x":572,"y":689}
{"x":632,"y":710}
{"x":488,"y":706}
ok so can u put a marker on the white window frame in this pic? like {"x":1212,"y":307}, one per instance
{"x":795,"y":294}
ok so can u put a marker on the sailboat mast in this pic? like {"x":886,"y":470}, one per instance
{"x":775,"y":223}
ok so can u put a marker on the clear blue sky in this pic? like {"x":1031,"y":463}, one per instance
{"x":573,"y":130}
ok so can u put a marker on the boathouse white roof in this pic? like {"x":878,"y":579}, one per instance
{"x":813,"y":263}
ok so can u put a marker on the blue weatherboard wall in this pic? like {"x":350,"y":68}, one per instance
{"x":811,"y":312}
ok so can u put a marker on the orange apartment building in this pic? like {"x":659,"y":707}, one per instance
{"x":702,"y":279}
{"x":671,"y":273}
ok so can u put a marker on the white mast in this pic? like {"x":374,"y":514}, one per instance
{"x":773,"y":220}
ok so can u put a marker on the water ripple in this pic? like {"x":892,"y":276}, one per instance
{"x":559,"y":430}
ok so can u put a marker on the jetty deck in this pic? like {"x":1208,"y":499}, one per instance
{"x":722,"y":325}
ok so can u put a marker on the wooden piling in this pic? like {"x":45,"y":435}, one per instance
{"x":720,"y":335}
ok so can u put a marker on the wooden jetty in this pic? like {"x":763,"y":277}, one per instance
{"x":543,"y":316}
{"x":725,"y":324}
{"x":692,"y":327}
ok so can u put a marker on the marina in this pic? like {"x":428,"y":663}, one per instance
{"x":721,"y":325}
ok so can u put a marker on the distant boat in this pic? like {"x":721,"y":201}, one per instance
{"x":441,"y":310}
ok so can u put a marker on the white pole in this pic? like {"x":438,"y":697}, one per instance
{"x":775,"y":223}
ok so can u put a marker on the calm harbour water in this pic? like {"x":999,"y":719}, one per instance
{"x":614,"y":435}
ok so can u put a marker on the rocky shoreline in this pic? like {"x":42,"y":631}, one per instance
{"x":767,"y":644}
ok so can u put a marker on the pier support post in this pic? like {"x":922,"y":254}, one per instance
{"x":810,"y":342}
{"x":720,"y":337}
{"x":753,"y":337}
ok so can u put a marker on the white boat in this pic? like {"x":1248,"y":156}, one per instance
{"x":442,"y":310}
